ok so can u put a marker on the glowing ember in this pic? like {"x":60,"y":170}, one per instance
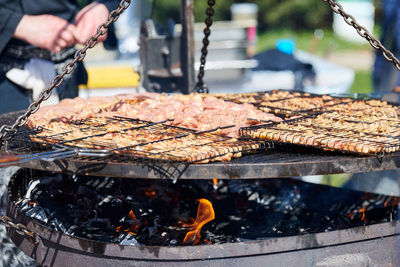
{"x":150,"y":193}
{"x":395,"y":201}
{"x":215,"y":183}
{"x":141,"y":212}
{"x":386,"y":203}
{"x":362,"y":210}
{"x":205,"y":214}
{"x":133,"y":222}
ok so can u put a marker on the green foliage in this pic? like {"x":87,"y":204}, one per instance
{"x":82,"y":3}
{"x":166,"y":9}
{"x":294,"y":14}
{"x":335,"y":180}
{"x":222,"y":9}
{"x":362,"y":82}
{"x":378,"y":11}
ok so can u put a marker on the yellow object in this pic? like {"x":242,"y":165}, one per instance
{"x":111,"y":77}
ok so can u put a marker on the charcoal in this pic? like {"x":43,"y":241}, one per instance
{"x":160,"y":213}
{"x":128,"y":240}
{"x":33,"y":210}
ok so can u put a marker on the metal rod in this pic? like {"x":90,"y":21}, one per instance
{"x":187,"y":45}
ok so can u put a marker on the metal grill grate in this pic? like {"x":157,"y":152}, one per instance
{"x":346,"y":131}
{"x":287,"y":103}
{"x":123,"y":138}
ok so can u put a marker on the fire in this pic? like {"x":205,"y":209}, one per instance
{"x":395,"y":201}
{"x":134,"y":224}
{"x":362,"y":210}
{"x":386,"y":203}
{"x":135,"y":221}
{"x":150,"y":192}
{"x":215,"y":183}
{"x":205,"y":214}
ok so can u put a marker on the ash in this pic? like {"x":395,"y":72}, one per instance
{"x":156,"y":212}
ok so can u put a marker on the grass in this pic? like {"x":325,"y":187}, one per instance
{"x":327,"y":44}
{"x":307,"y":41}
{"x":362,"y":82}
{"x":335,"y":180}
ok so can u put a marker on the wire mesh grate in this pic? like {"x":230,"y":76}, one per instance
{"x":286,"y":103}
{"x":142,"y":140}
{"x":346,"y":131}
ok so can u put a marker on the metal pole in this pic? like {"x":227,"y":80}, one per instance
{"x":187,"y":45}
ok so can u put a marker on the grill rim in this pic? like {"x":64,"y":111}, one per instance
{"x":270,"y":164}
{"x":263,"y":165}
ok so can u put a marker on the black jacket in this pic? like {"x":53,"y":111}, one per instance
{"x":12,"y":11}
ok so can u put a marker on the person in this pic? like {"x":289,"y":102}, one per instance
{"x":39,"y":35}
{"x":37,"y":38}
{"x":385,"y":76}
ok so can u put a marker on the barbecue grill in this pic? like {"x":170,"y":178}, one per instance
{"x":57,"y":248}
{"x":369,"y":244}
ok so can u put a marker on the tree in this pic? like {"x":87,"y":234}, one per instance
{"x":295,"y":14}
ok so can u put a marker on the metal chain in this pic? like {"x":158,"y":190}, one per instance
{"x":5,"y":130}
{"x":200,"y":86}
{"x":20,"y":229}
{"x":363,"y":32}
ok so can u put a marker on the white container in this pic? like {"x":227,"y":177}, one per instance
{"x":363,"y":11}
{"x":244,"y":11}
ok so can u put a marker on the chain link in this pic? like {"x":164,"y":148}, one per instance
{"x":6,"y":130}
{"x":200,"y":86}
{"x":363,"y":32}
{"x":20,"y":229}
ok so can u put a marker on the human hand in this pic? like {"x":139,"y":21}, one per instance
{"x":88,"y":20}
{"x":46,"y":31}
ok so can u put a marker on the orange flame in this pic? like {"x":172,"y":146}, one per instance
{"x":362,"y":210}
{"x":395,"y":201}
{"x":150,"y":192}
{"x":205,"y":214}
{"x":386,"y":202}
{"x":134,"y":224}
{"x":215,"y":183}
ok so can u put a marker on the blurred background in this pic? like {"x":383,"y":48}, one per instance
{"x":308,"y":29}
{"x":255,"y":45}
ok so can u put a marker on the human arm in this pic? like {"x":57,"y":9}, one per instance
{"x":88,"y":20}
{"x":46,"y":31}
{"x":8,"y":23}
